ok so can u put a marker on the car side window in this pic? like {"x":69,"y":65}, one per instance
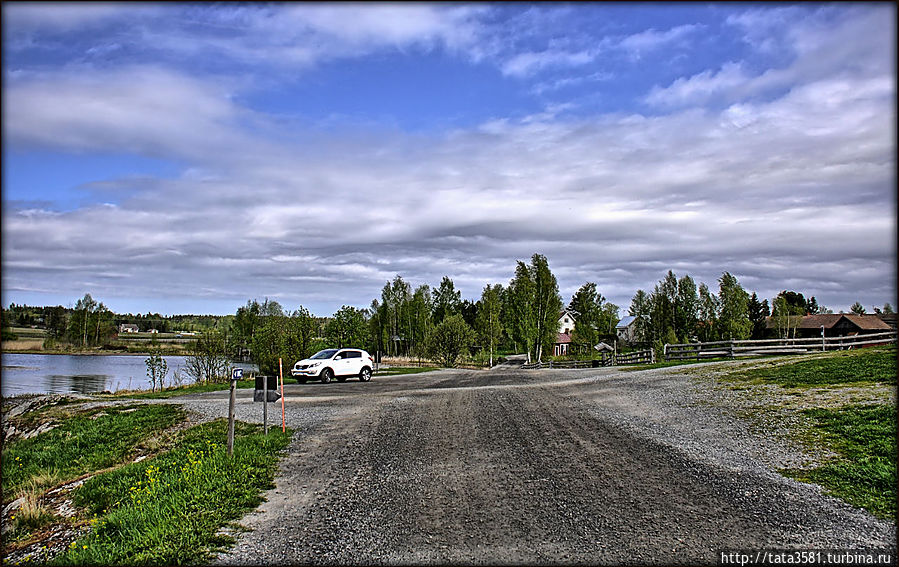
{"x":353,"y":354}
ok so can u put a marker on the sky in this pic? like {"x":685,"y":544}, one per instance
{"x":187,"y":157}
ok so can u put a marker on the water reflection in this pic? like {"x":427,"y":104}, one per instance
{"x":77,"y":384}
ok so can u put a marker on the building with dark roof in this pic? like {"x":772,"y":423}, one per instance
{"x":833,"y":325}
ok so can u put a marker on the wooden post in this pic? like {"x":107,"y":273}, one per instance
{"x":231,"y":403}
{"x":281,"y":374}
{"x":265,"y":404}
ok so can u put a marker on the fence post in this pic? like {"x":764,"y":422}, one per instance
{"x":665,"y":350}
{"x":730,"y":348}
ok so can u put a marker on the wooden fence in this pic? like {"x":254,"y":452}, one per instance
{"x":771,"y":347}
{"x":605,"y":359}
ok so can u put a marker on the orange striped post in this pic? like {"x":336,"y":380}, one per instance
{"x":281,"y":373}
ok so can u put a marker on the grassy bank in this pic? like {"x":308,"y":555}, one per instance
{"x":864,"y":472}
{"x":168,"y":510}
{"x":872,"y":365}
{"x":840,"y":404}
{"x":81,"y":443}
{"x":165,"y":508}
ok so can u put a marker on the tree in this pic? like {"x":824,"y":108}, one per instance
{"x":447,"y":300}
{"x":686,"y":307}
{"x":520,"y":312}
{"x":84,"y":308}
{"x":207,"y":359}
{"x":887,"y":308}
{"x":708,"y":314}
{"x":640,"y":310}
{"x":733,"y":317}
{"x":586,"y":303}
{"x":489,"y":318}
{"x":789,"y":307}
{"x":547,"y":305}
{"x":157,"y":368}
{"x":420,"y":309}
{"x":758,"y":316}
{"x":857,"y":308}
{"x":395,"y":297}
{"x":347,"y":328}
{"x":449,"y":339}
{"x":285,"y":338}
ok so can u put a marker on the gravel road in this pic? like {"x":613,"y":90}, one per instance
{"x":593,"y":466}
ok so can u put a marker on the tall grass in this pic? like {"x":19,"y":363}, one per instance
{"x":167,"y":510}
{"x":83,"y":443}
{"x":844,"y":367}
{"x":864,"y":473}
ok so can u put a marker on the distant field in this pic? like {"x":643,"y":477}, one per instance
{"x":29,"y":333}
{"x":23,"y":344}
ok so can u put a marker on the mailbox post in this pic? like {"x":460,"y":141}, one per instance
{"x":236,"y":374}
{"x":266,"y":391}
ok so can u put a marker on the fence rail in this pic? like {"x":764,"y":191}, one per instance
{"x":769,"y":347}
{"x":605,"y":359}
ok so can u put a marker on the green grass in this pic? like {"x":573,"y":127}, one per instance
{"x":167,"y":510}
{"x":82,"y":443}
{"x":182,"y":391}
{"x":668,"y":364}
{"x":864,"y":473}
{"x":396,"y":371}
{"x":844,"y":367}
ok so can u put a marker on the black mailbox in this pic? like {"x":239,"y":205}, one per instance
{"x":273,"y":394}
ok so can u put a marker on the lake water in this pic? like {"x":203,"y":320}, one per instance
{"x":85,"y":374}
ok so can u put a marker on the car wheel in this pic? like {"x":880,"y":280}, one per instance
{"x":326,"y":376}
{"x":341,"y":378}
{"x":301,"y":380}
{"x":365,"y":374}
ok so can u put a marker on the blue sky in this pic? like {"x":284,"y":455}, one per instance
{"x":175,"y":157}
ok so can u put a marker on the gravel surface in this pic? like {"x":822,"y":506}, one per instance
{"x":593,"y":466}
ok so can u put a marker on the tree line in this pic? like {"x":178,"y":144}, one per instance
{"x":437,"y":324}
{"x":679,"y":311}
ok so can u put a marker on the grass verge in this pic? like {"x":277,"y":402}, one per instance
{"x":396,"y":371}
{"x":180,"y":391}
{"x":843,"y":367}
{"x":82,"y":443}
{"x":168,"y":510}
{"x":864,"y":473}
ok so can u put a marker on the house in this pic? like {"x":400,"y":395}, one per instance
{"x":566,"y":322}
{"x":562,"y":345}
{"x":888,"y":318}
{"x":626,"y":329}
{"x":834,"y":325}
{"x":128,"y":328}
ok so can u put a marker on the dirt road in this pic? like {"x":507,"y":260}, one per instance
{"x":536,"y":467}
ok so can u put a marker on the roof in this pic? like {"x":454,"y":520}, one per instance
{"x":625,"y":321}
{"x":568,"y":312}
{"x":829,"y":320}
{"x":563,"y":338}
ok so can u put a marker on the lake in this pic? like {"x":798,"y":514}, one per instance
{"x":83,"y":374}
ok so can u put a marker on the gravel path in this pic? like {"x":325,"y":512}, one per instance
{"x":595,"y":466}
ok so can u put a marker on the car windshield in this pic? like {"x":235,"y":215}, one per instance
{"x":327,"y":353}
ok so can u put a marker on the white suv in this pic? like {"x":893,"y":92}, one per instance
{"x":340,"y":363}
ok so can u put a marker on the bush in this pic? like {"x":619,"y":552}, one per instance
{"x":449,"y":340}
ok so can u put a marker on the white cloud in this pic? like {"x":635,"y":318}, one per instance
{"x":851,"y":46}
{"x":653,"y":39}
{"x":526,"y":64}
{"x":789,"y":182}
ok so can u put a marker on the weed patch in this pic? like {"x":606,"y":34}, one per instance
{"x":845,"y":367}
{"x":864,"y":473}
{"x":83,"y":443}
{"x":168,"y":510}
